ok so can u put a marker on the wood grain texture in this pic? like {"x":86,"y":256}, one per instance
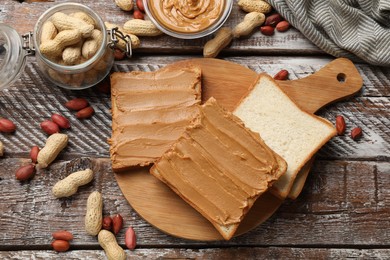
{"x":345,"y":203}
{"x":290,"y":42}
{"x":210,"y":253}
{"x":342,"y":213}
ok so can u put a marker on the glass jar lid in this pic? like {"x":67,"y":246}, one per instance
{"x":12,"y":55}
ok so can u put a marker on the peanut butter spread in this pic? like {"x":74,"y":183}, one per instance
{"x":187,"y":16}
{"x":219,"y":166}
{"x":150,"y":110}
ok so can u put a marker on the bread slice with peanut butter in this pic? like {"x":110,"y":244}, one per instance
{"x":219,"y":167}
{"x":150,"y":110}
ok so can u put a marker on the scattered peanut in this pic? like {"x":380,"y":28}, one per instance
{"x":77,"y":104}
{"x":62,"y":235}
{"x":130,"y":238}
{"x":283,"y":26}
{"x":85,"y":113}
{"x":91,"y":45}
{"x":340,"y":125}
{"x":255,"y":6}
{"x":117,"y":223}
{"x":68,"y":186}
{"x":251,"y":21}
{"x":65,"y":22}
{"x":25,"y":172}
{"x":267,"y":30}
{"x":34,"y":154}
{"x":125,"y":5}
{"x":273,"y":20}
{"x":108,"y":242}
{"x":93,"y":217}
{"x":141,"y":28}
{"x":60,"y":245}
{"x":220,"y":41}
{"x":54,"y":145}
{"x":356,"y":133}
{"x":281,"y":75}
{"x":49,"y":127}
{"x":140,"y":5}
{"x":61,"y":121}
{"x":138,"y":15}
{"x":107,"y":223}
{"x":49,"y":31}
{"x":7,"y":126}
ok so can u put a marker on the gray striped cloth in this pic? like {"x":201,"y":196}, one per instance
{"x":356,"y":29}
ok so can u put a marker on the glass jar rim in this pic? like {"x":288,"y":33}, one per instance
{"x":72,"y":68}
{"x":181,"y":35}
{"x":14,"y":57}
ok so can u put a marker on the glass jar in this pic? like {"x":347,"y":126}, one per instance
{"x":174,"y":22}
{"x":14,"y":49}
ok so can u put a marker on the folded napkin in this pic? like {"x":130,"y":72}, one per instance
{"x":356,"y":29}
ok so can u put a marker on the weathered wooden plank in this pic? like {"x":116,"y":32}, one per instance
{"x":292,"y":41}
{"x":32,"y":99}
{"x":344,"y":203}
{"x":221,"y":253}
{"x":376,"y":79}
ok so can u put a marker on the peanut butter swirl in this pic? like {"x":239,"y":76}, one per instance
{"x":219,"y":166}
{"x":187,"y":16}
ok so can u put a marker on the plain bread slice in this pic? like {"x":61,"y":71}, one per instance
{"x":291,"y":132}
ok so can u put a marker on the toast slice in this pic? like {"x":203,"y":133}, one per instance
{"x":150,"y":110}
{"x":291,"y":132}
{"x":219,"y":167}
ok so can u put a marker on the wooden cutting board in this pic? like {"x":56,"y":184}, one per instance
{"x":228,"y":82}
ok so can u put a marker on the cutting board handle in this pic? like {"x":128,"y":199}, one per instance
{"x":337,"y":80}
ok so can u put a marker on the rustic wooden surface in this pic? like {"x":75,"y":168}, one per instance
{"x":344,"y":209}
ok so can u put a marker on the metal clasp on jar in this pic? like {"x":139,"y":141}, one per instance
{"x":115,"y":36}
{"x":28,"y":44}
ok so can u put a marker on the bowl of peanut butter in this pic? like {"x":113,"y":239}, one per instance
{"x":188,"y":19}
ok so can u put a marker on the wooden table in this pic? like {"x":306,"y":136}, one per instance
{"x":343,"y":211}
